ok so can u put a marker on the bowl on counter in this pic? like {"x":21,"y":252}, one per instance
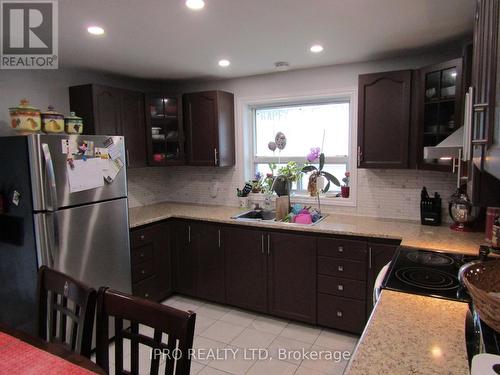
{"x":482,"y":280}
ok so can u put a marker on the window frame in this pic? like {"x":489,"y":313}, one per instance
{"x":338,"y":159}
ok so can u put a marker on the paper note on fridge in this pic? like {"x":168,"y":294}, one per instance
{"x":85,"y":175}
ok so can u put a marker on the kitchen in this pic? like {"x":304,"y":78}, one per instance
{"x":277,"y":195}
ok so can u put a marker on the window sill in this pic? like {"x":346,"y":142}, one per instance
{"x":326,"y":200}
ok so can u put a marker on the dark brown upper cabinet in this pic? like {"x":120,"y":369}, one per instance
{"x":113,"y":111}
{"x":484,"y":173}
{"x":384,"y":118}
{"x":164,"y":130}
{"x":440,"y":108}
{"x":209,"y":126}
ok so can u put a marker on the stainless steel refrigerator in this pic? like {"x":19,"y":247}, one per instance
{"x":47,"y":221}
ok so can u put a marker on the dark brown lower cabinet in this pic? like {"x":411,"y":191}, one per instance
{"x":184,"y":258}
{"x":151,"y":262}
{"x":346,"y":314}
{"x":246,"y":268}
{"x":210,"y":279}
{"x":314,"y":279}
{"x":379,"y":256}
{"x":292,"y":276}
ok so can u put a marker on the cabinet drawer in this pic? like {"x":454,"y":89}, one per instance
{"x":343,"y":268}
{"x":146,"y":289}
{"x":342,"y":249}
{"x":141,"y":237}
{"x":142,"y":271}
{"x":341,"y":313}
{"x":141,"y":254}
{"x":342,"y":287}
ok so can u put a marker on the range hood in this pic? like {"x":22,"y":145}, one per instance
{"x":449,"y":148}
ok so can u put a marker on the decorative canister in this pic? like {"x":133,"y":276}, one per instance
{"x":52,"y":121}
{"x":25,"y":118}
{"x":74,"y":124}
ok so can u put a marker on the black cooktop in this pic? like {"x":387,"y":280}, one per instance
{"x":427,"y":273}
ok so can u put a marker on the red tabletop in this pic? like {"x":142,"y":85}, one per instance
{"x":20,"y":357}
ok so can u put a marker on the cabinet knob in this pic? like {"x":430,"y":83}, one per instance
{"x":146,"y":295}
{"x":142,"y":236}
{"x":142,"y":255}
{"x":339,"y":314}
{"x":341,"y":268}
{"x":143,"y":272}
{"x":340,"y":287}
{"x":341,"y":249}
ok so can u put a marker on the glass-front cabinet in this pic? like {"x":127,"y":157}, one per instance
{"x":164,"y":130}
{"x":441,"y":98}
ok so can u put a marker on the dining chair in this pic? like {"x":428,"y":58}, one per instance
{"x":178,"y":325}
{"x":62,"y":300}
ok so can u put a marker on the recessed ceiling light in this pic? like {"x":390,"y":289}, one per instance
{"x":317,"y":48}
{"x":224,"y":63}
{"x":95,"y":30}
{"x":195,"y":4}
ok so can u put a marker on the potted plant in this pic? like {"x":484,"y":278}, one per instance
{"x":287,"y":174}
{"x":318,"y":172}
{"x":344,"y":190}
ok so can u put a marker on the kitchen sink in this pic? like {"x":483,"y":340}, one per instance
{"x":267,"y":216}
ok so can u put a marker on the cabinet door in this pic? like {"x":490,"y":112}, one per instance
{"x":184,"y":259}
{"x":200,"y":119}
{"x":246,"y":263}
{"x":292,"y":276}
{"x":384,"y":119}
{"x":107,"y":110}
{"x":378,"y":256}
{"x":134,"y":128}
{"x":440,"y":103}
{"x":151,"y":262}
{"x":210,"y":258}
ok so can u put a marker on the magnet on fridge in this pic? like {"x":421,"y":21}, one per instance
{"x":108,"y":142}
{"x":16,"y":197}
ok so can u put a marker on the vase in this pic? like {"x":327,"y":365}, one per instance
{"x":282,"y":186}
{"x":312,"y":185}
{"x":344,"y":191}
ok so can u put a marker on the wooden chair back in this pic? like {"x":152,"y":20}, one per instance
{"x":66,"y":309}
{"x":178,"y":325}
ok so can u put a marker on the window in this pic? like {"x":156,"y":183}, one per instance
{"x":324,"y":125}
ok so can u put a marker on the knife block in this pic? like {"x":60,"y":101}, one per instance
{"x":282,"y":207}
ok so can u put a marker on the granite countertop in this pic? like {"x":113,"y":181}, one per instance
{"x":412,"y":334}
{"x":411,"y":233}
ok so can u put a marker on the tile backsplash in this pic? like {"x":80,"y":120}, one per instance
{"x":381,"y":193}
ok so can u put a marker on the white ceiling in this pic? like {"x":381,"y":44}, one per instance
{"x":164,"y":39}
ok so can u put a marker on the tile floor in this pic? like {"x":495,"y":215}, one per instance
{"x":237,"y":331}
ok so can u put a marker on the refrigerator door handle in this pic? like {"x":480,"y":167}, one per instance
{"x":47,"y":239}
{"x":51,"y":177}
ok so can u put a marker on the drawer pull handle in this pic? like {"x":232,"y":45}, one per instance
{"x":339,"y":313}
{"x":340,"y":287}
{"x":142,"y":236}
{"x":341,"y":249}
{"x":341,"y":268}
